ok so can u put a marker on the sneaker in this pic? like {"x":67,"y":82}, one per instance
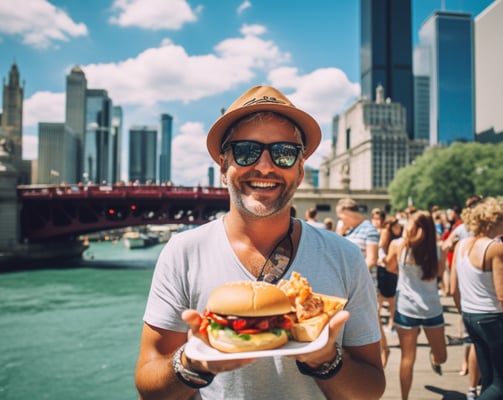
{"x":472,"y":394}
{"x":435,"y":367}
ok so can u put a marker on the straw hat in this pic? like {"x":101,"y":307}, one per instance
{"x":264,"y":98}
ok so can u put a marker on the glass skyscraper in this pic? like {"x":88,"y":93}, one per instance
{"x":165,"y":156}
{"x":117,"y":119}
{"x":142,"y":154}
{"x":98,"y":156}
{"x":386,"y":52}
{"x":449,"y":38}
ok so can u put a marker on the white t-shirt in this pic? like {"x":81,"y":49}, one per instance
{"x":195,"y":262}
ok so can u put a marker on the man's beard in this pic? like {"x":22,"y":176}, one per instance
{"x":253,"y":205}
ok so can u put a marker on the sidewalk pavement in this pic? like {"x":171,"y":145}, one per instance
{"x":426,"y":385}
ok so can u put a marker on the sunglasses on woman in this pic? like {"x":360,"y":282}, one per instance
{"x":248,"y":152}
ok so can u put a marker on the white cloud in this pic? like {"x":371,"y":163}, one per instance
{"x":243,"y":6}
{"x":30,"y":147}
{"x":39,"y":23}
{"x":253,"y":30}
{"x":44,"y":107}
{"x":323,"y":93}
{"x":321,"y":152}
{"x":168,"y":73}
{"x":153,"y":14}
{"x":190,"y":159}
{"x":41,"y":107}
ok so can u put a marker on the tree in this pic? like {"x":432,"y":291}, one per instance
{"x":447,"y":176}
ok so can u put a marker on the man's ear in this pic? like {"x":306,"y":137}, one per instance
{"x":223,"y":169}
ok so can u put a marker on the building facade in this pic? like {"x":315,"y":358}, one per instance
{"x":117,"y":122}
{"x":75,"y":112}
{"x":98,"y":157}
{"x":372,"y":144}
{"x":448,"y":36}
{"x":386,"y":53}
{"x":57,"y":147}
{"x":12,"y":114}
{"x":165,"y":156}
{"x":489,"y":73}
{"x":142,"y":154}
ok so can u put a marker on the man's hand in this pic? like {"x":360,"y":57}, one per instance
{"x":328,"y":352}
{"x":193,"y":319}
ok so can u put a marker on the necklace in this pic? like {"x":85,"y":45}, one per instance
{"x":279,"y":259}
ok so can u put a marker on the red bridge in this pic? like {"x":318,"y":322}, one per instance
{"x":51,"y":211}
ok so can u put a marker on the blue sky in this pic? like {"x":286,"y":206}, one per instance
{"x":189,"y":58}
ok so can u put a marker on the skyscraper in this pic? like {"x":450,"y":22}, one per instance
{"x":98,"y":155}
{"x":449,"y":38}
{"x":165,"y":156}
{"x":75,"y":112}
{"x":142,"y":153}
{"x":117,"y":119}
{"x":386,"y":52}
{"x":12,"y":115}
{"x":372,"y":144}
{"x":57,"y":147}
{"x":489,"y":73}
{"x":421,"y":93}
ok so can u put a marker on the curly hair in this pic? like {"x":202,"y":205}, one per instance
{"x":471,"y":202}
{"x":485,"y":215}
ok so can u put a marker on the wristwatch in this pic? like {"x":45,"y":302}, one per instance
{"x":326,"y":370}
{"x":195,"y":380}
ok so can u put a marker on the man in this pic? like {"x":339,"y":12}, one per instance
{"x":358,"y":229}
{"x":260,"y":143}
{"x":312,"y":218}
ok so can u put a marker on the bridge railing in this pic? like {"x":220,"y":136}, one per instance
{"x":67,"y":210}
{"x":94,"y":190}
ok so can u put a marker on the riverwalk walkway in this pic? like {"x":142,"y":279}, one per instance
{"x":426,"y":385}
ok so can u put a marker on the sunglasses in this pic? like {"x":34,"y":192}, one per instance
{"x":248,"y":152}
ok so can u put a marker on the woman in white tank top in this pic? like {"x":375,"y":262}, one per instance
{"x":477,"y":287}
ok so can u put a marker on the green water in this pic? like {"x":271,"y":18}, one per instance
{"x":73,"y":333}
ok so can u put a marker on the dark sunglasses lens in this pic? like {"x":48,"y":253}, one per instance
{"x":284,"y":155}
{"x":246,"y":153}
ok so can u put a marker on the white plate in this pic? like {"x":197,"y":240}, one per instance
{"x":199,"y":350}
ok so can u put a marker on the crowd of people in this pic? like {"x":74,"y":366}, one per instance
{"x":406,"y":261}
{"x":420,"y":257}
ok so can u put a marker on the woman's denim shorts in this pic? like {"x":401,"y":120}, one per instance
{"x":405,"y":322}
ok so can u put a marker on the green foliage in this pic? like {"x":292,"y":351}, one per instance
{"x":447,"y":176}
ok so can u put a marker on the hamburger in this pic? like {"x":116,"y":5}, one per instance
{"x":246,"y":316}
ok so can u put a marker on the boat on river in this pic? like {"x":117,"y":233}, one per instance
{"x":138,"y":240}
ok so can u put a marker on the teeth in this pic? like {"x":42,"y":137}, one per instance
{"x":262,"y":184}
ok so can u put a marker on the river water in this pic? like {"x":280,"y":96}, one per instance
{"x":71,"y":332}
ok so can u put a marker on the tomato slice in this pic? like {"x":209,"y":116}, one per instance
{"x":204,"y":326}
{"x":285,"y":323}
{"x":218,"y":319}
{"x":239,"y":324}
{"x":249,"y":331}
{"x":263,"y":325}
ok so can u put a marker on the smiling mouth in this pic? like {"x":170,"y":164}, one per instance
{"x":263,"y":185}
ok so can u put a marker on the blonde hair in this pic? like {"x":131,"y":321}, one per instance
{"x":485,"y":215}
{"x":347,"y":204}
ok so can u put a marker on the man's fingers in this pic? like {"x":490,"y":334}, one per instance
{"x":192,"y":318}
{"x":338,"y":320}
